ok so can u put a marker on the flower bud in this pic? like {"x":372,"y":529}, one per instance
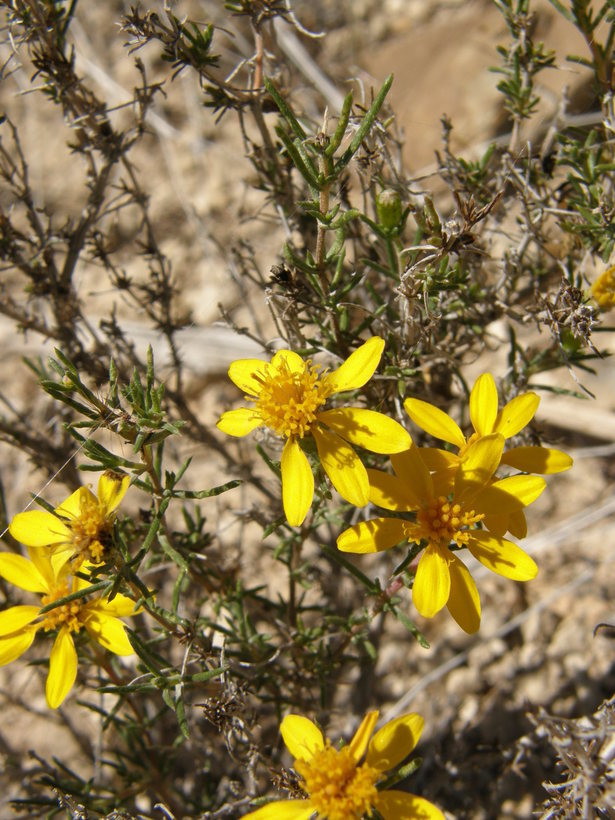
{"x":388,"y":208}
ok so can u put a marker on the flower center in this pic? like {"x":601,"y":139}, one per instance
{"x":443,"y":521}
{"x":91,"y":530}
{"x":338,"y":788}
{"x":65,"y":615}
{"x":289,"y":400}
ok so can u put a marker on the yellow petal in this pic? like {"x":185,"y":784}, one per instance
{"x":437,"y":460}
{"x":289,"y":359}
{"x":372,"y":536}
{"x":39,"y":528}
{"x":484,"y":404}
{"x":60,"y":558}
{"x":393,"y":743}
{"x":301,"y":736}
{"x":444,"y":482}
{"x":390,"y":492}
{"x":432,"y":583}
{"x":343,"y":466}
{"x":464,"y":601}
{"x":358,"y":368}
{"x":367,"y":428}
{"x":16,"y":618}
{"x":112,"y":488}
{"x":120,"y":606}
{"x":109,"y":632}
{"x":514,"y":522}
{"x":283,"y":810}
{"x":509,"y":494}
{"x":516,"y":414}
{"x":361,"y":737}
{"x":22,"y":573}
{"x":479,"y":463}
{"x":395,"y":805}
{"x":43,"y":561}
{"x":411,"y":469}
{"x":72,"y":506}
{"x":526,"y":488}
{"x":517,"y":524}
{"x":497,"y":524}
{"x":248,"y":374}
{"x":239,"y":422}
{"x":62,"y":669}
{"x":502,"y":556}
{"x":434,"y":421}
{"x":13,"y":646}
{"x":543,"y":460}
{"x":297,"y":483}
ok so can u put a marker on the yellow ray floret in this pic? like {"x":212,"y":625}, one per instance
{"x":343,"y":783}
{"x":446,"y":523}
{"x":97,"y":616}
{"x":288,"y":395}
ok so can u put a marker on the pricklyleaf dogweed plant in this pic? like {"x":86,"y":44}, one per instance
{"x":396,"y":283}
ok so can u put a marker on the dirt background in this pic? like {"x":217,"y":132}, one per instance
{"x":538,"y":645}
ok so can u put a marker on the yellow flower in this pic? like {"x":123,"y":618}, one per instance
{"x":446,"y":519}
{"x":603,"y":289}
{"x":337,"y":785}
{"x":289,"y":394}
{"x":486,"y":419}
{"x":80,"y":528}
{"x":19,"y":624}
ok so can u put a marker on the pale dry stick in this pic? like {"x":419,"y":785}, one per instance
{"x":599,"y":451}
{"x":291,"y":46}
{"x":564,"y":412}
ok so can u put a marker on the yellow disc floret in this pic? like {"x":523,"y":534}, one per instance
{"x":289,"y":400}
{"x":90,"y":530}
{"x":64,"y":615}
{"x":338,"y":788}
{"x":443,"y":521}
{"x":603,"y":289}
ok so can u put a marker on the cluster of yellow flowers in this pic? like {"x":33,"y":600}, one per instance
{"x":61,"y":543}
{"x":444,"y":500}
{"x":456,"y":497}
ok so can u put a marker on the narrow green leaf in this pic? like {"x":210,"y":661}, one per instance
{"x":285,"y":109}
{"x":366,"y":124}
{"x":342,"y":124}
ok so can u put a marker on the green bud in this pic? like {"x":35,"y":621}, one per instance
{"x":388,"y":208}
